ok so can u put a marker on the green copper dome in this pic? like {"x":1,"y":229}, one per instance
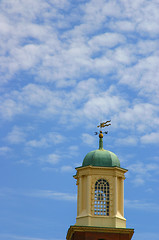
{"x":101,"y":158}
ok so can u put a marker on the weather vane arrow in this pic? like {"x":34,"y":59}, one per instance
{"x":103,"y":125}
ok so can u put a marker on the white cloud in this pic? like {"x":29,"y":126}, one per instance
{"x":124,"y":55}
{"x":104,"y":103}
{"x":141,"y":172}
{"x":26,"y":56}
{"x":53,"y":158}
{"x":123,"y":26}
{"x":29,"y":97}
{"x":79,"y":103}
{"x":146,"y":47}
{"x":150,"y":17}
{"x":141,"y":117}
{"x":130,"y":140}
{"x":37,"y":143}
{"x":20,"y":53}
{"x":49,"y":194}
{"x":88,"y":139}
{"x":55,"y":137}
{"x":106,"y":40}
{"x":150,"y":138}
{"x":24,"y":162}
{"x":47,"y":140}
{"x":52,"y":195}
{"x":73,"y":150}
{"x":36,"y":95}
{"x":143,"y":76}
{"x":67,"y":169}
{"x":138,"y":180}
{"x":100,"y":11}
{"x":4,"y":150}
{"x":80,"y":106}
{"x":16,"y":136}
{"x":10,"y":108}
{"x":80,"y":49}
{"x":139,"y":205}
{"x":44,"y":52}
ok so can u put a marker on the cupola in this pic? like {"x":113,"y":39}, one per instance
{"x":100,"y":197}
{"x":100,"y":181}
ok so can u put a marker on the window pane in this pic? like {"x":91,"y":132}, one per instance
{"x":101,"y":198}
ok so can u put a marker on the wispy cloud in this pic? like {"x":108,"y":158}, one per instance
{"x":49,"y":103}
{"x":150,"y":138}
{"x":73,"y":150}
{"x":105,"y":40}
{"x":16,"y":136}
{"x":142,"y":205}
{"x":47,"y":140}
{"x":52,"y":158}
{"x":142,"y":172}
{"x":47,"y":52}
{"x":130,"y":140}
{"x":52,"y":195}
{"x":88,"y":139}
{"x":60,"y":169}
{"x":49,"y":194}
{"x":10,"y":108}
{"x":132,"y":117}
{"x":67,"y":169}
{"x":37,"y":143}
{"x":4,"y":150}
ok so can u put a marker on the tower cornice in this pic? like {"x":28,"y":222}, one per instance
{"x":89,"y":229}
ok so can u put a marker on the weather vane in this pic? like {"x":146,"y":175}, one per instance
{"x":103,"y":125}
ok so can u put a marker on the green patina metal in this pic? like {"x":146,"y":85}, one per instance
{"x":101,"y":143}
{"x":101,"y":158}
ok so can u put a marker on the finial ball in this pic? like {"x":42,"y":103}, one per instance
{"x":100,"y":134}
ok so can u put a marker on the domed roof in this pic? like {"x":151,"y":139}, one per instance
{"x":101,"y":158}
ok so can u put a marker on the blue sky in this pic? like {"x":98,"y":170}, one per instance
{"x":65,"y":66}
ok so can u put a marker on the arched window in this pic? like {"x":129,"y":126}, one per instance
{"x":101,"y":198}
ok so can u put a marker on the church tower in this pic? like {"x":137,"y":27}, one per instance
{"x":100,"y":197}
